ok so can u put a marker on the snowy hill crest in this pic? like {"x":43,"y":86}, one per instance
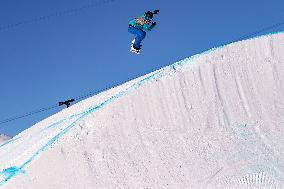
{"x":210,"y":121}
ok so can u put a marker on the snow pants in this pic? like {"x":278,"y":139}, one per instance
{"x":139,"y":35}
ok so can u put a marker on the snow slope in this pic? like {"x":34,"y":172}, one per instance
{"x":214,"y":120}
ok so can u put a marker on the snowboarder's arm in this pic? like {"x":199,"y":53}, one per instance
{"x":156,"y":11}
{"x":149,"y":27}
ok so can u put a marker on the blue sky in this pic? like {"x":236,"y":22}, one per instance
{"x":68,"y":55}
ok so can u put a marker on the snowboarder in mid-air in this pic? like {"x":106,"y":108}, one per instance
{"x":139,"y":26}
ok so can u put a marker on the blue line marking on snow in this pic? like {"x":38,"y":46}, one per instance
{"x":9,"y":173}
{"x":13,"y":171}
{"x":60,"y":122}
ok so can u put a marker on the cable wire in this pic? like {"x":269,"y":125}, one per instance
{"x":27,"y":114}
{"x":259,"y":31}
{"x":55,"y":14}
{"x":119,"y":83}
{"x":78,"y":98}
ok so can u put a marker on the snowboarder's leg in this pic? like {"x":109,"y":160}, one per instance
{"x":139,"y":36}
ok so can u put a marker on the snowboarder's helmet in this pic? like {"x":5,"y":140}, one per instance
{"x":149,"y":14}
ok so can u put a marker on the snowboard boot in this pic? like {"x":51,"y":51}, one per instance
{"x":136,"y":50}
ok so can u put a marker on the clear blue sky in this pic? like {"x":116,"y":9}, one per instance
{"x":65,"y":56}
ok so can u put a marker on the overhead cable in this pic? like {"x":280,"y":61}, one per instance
{"x":55,"y":14}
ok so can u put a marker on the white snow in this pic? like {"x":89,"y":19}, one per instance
{"x":214,"y":120}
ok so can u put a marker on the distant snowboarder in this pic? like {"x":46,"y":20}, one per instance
{"x":138,"y":26}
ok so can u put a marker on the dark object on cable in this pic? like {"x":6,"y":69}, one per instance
{"x":67,"y":102}
{"x":156,"y":11}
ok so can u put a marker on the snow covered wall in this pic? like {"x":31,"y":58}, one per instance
{"x":214,"y":120}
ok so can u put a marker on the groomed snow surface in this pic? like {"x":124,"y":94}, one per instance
{"x":215,"y":120}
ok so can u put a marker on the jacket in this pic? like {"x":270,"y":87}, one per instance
{"x":142,"y":22}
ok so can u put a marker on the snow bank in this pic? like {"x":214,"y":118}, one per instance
{"x":215,"y":120}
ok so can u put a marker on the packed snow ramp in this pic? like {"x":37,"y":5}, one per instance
{"x":215,"y":120}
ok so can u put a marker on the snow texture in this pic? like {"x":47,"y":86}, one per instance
{"x":214,"y":120}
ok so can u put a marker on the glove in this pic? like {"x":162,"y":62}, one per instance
{"x":156,"y":11}
{"x":154,"y":23}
